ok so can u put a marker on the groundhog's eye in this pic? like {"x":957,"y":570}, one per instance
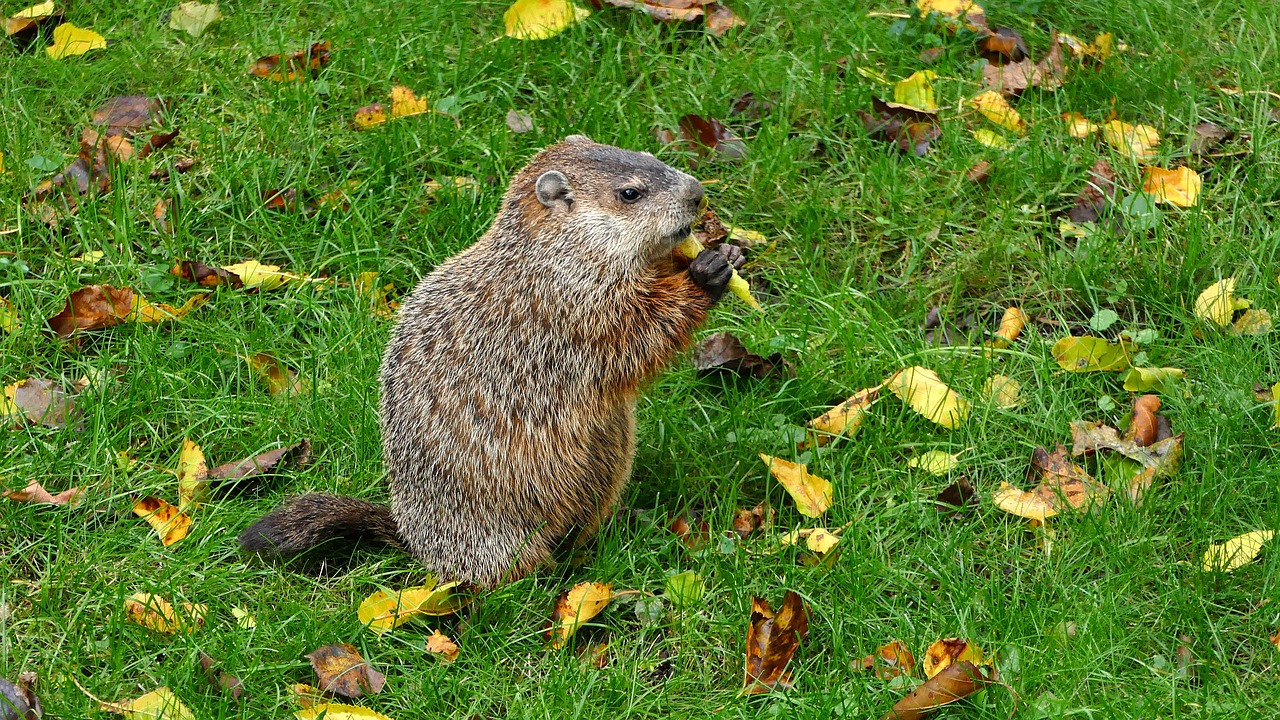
{"x":629,"y":195}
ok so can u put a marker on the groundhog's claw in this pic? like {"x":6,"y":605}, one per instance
{"x":733,"y":255}
{"x":711,"y":272}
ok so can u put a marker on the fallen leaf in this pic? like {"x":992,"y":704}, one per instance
{"x":723,"y":352}
{"x":168,"y":522}
{"x":342,"y":671}
{"x":685,"y":589}
{"x":1179,"y":186}
{"x":385,"y":610}
{"x":946,"y":651}
{"x":1218,"y":303}
{"x":404,"y":103}
{"x":1078,"y":126}
{"x":1003,"y":392}
{"x":439,"y":645}
{"x":156,"y":613}
{"x":19,"y":701}
{"x":1091,"y":354}
{"x":142,"y":310}
{"x":1097,"y":194}
{"x":244,"y":619}
{"x":711,"y":139}
{"x":265,"y":463}
{"x":541,"y":19}
{"x":811,"y":493}
{"x":205,"y":275}
{"x":193,"y":477}
{"x":280,"y":379}
{"x":91,"y":308}
{"x":1015,"y":77}
{"x":296,"y":66}
{"x":1236,"y":552}
{"x":891,"y":660}
{"x":1063,"y":486}
{"x":991,"y":139}
{"x":37,"y":401}
{"x":915,"y":92}
{"x":221,"y":679}
{"x":69,"y":40}
{"x":935,"y":462}
{"x":909,"y":130}
{"x":159,"y":704}
{"x":254,"y":275}
{"x":307,"y":696}
{"x":1135,"y":141}
{"x":1146,"y":379}
{"x":23,"y":25}
{"x":1144,"y":425}
{"x":979,"y":172}
{"x":194,"y":17}
{"x":1011,"y":325}
{"x":954,"y":496}
{"x":1157,"y":460}
{"x":518,"y":122}
{"x":772,"y":640}
{"x":695,"y":535}
{"x":956,"y":682}
{"x":34,"y":492}
{"x":746,"y":522}
{"x":1002,"y":45}
{"x":924,"y":392}
{"x":720,"y":19}
{"x":8,"y":317}
{"x":1251,"y":322}
{"x":334,"y":711}
{"x":843,"y":419}
{"x":949,"y":8}
{"x":366,"y":286}
{"x":1098,"y":50}
{"x":574,"y":608}
{"x":1206,"y":137}
{"x":995,"y":108}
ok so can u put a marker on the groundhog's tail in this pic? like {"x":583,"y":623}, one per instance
{"x":308,"y":521}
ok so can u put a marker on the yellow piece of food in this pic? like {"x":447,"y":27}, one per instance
{"x":737,"y":285}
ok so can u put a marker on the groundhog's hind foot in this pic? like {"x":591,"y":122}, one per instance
{"x":313,"y":519}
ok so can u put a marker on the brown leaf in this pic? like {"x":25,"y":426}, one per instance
{"x":724,"y":353}
{"x":955,"y":496}
{"x":575,"y":607}
{"x":957,"y":681}
{"x":947,"y":651}
{"x":205,"y":275}
{"x":890,"y":661}
{"x":693,"y":535}
{"x":342,"y":671}
{"x":518,"y":122}
{"x":442,"y":646}
{"x":160,"y":215}
{"x":750,"y":108}
{"x":1207,"y":136}
{"x":265,"y":463}
{"x":219,"y":678}
{"x":1003,"y":45}
{"x":710,"y":139}
{"x":1062,"y":478}
{"x":127,"y":114}
{"x":772,"y":640}
{"x":1144,"y":427}
{"x":280,"y":379}
{"x":168,"y":522}
{"x":1012,"y":78}
{"x":721,"y":19}
{"x":746,"y":522}
{"x":909,"y":130}
{"x":929,"y":56}
{"x":38,"y":401}
{"x":181,"y":165}
{"x":297,"y":66}
{"x":287,"y":200}
{"x":92,"y":307}
{"x":980,"y":171}
{"x":156,"y":613}
{"x":1098,"y":193}
{"x":34,"y":492}
{"x":1159,"y":459}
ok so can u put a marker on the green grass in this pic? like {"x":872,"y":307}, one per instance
{"x":866,"y":241}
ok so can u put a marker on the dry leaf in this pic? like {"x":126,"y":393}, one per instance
{"x":385,"y":610}
{"x":34,"y":492}
{"x":1003,"y":45}
{"x":254,"y":275}
{"x":92,"y":307}
{"x":1090,"y":354}
{"x":1011,"y":325}
{"x":403,"y":104}
{"x":168,"y":522}
{"x":891,"y":660}
{"x":280,"y":379}
{"x":710,"y":139}
{"x":193,"y":474}
{"x":296,"y":66}
{"x":946,"y":651}
{"x":23,"y":25}
{"x":1135,"y":141}
{"x":935,"y":462}
{"x":144,"y":311}
{"x":949,"y":8}
{"x":334,"y":711}
{"x":979,"y":172}
{"x":159,"y":704}
{"x":1207,"y":136}
{"x":958,"y":681}
{"x":69,"y":40}
{"x":909,"y":130}
{"x":1252,"y":322}
{"x":955,"y":496}
{"x":915,"y":92}
{"x":843,"y":419}
{"x":205,"y":275}
{"x":772,"y":640}
{"x":8,"y":317}
{"x":1098,"y":193}
{"x":1002,"y":391}
{"x":811,"y":493}
{"x":1144,"y":426}
{"x":991,"y":139}
{"x":39,"y":401}
{"x":721,"y":19}
{"x":518,"y":122}
{"x":1236,"y":552}
{"x":442,"y":647}
{"x":342,"y":671}
{"x":265,"y":463}
{"x":723,"y":352}
{"x":156,"y":613}
{"x":574,"y":608}
{"x":746,"y":522}
{"x":1015,"y":77}
{"x":695,"y":535}
{"x":924,"y":392}
{"x":1063,"y":486}
{"x":307,"y":696}
{"x":541,"y":19}
{"x":244,"y":619}
{"x":194,"y":17}
{"x":1179,"y":186}
{"x":221,"y":679}
{"x":684,"y":589}
{"x":366,"y":287}
{"x":1218,"y":303}
{"x":1078,"y":126}
{"x":995,"y":108}
{"x":1144,"y":379}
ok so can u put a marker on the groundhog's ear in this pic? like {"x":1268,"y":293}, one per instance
{"x":553,"y":188}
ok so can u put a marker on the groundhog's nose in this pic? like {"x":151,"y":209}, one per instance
{"x":693,"y":195}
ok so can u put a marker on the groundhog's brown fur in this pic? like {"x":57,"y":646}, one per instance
{"x":510,"y":381}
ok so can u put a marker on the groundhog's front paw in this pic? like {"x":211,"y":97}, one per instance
{"x":711,"y":272}
{"x":733,"y":254}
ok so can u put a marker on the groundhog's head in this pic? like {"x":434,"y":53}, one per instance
{"x":633,"y":206}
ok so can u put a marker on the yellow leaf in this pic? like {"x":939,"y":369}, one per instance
{"x":1236,"y":552}
{"x":93,"y":257}
{"x":574,"y":608}
{"x":156,"y":613}
{"x":8,"y":317}
{"x":915,"y":92}
{"x":144,"y":311}
{"x":370,"y":116}
{"x":949,"y":8}
{"x":168,"y":522}
{"x":1003,"y":392}
{"x":384,"y":610}
{"x":160,"y":704}
{"x":404,"y":103}
{"x":1179,"y":186}
{"x":1275,"y":400}
{"x":873,"y":75}
{"x":71,"y":40}
{"x":1015,"y":501}
{"x":991,"y":139}
{"x":1144,"y":379}
{"x":1218,"y":303}
{"x":1100,"y":49}
{"x":44,"y":9}
{"x":256,"y":275}
{"x":1252,"y":322}
{"x":334,"y":711}
{"x":541,"y":19}
{"x":995,"y":108}
{"x":926,"y":394}
{"x":1090,"y":354}
{"x":442,"y":646}
{"x":280,"y":379}
{"x":193,"y":474}
{"x":194,"y":17}
{"x":1135,"y":141}
{"x":1011,"y":325}
{"x":1078,"y":126}
{"x":746,"y":238}
{"x":935,"y":462}
{"x":244,"y":619}
{"x":811,"y":493}
{"x":821,"y":541}
{"x":950,"y":650}
{"x":845,"y":418}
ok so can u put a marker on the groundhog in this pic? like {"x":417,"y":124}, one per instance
{"x":510,"y":380}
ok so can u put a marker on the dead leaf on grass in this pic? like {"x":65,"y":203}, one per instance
{"x":909,"y":130}
{"x":709,"y":139}
{"x":922,"y":390}
{"x":1218,"y":303}
{"x":168,"y":522}
{"x":34,"y":492}
{"x":297,"y":455}
{"x":1236,"y":552}
{"x":575,"y":607}
{"x":541,"y":19}
{"x":811,"y":493}
{"x":1097,"y":194}
{"x":1011,"y":325}
{"x":518,"y":122}
{"x":156,"y":613}
{"x":723,"y":352}
{"x":746,"y":522}
{"x":341,"y":671}
{"x":1063,"y":486}
{"x":194,"y":17}
{"x":296,"y":66}
{"x":1085,"y":353}
{"x":995,"y":108}
{"x":946,"y":651}
{"x":843,"y":419}
{"x":935,"y":462}
{"x":694,"y":535}
{"x":335,"y":711}
{"x":891,"y":660}
{"x":956,"y":495}
{"x":38,"y":401}
{"x":1179,"y":186}
{"x":385,"y":610}
{"x":956,"y":682}
{"x":441,"y":646}
{"x":221,"y":679}
{"x":69,"y":41}
{"x":23,"y":26}
{"x":1003,"y":392}
{"x":257,"y":276}
{"x":404,"y":103}
{"x":193,"y":477}
{"x":1158,"y":459}
{"x":1146,"y":379}
{"x":772,"y":640}
{"x":205,"y":275}
{"x":1015,"y":77}
{"x":279,"y":378}
{"x":1135,"y":141}
{"x":91,"y":308}
{"x":159,"y":704}
{"x":367,"y":287}
{"x":915,"y":93}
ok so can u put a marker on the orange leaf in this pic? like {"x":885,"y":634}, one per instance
{"x":772,"y":640}
{"x":170,"y":524}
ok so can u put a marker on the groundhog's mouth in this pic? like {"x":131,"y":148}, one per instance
{"x":679,"y":235}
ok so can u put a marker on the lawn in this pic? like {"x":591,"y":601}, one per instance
{"x":1108,"y":614}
